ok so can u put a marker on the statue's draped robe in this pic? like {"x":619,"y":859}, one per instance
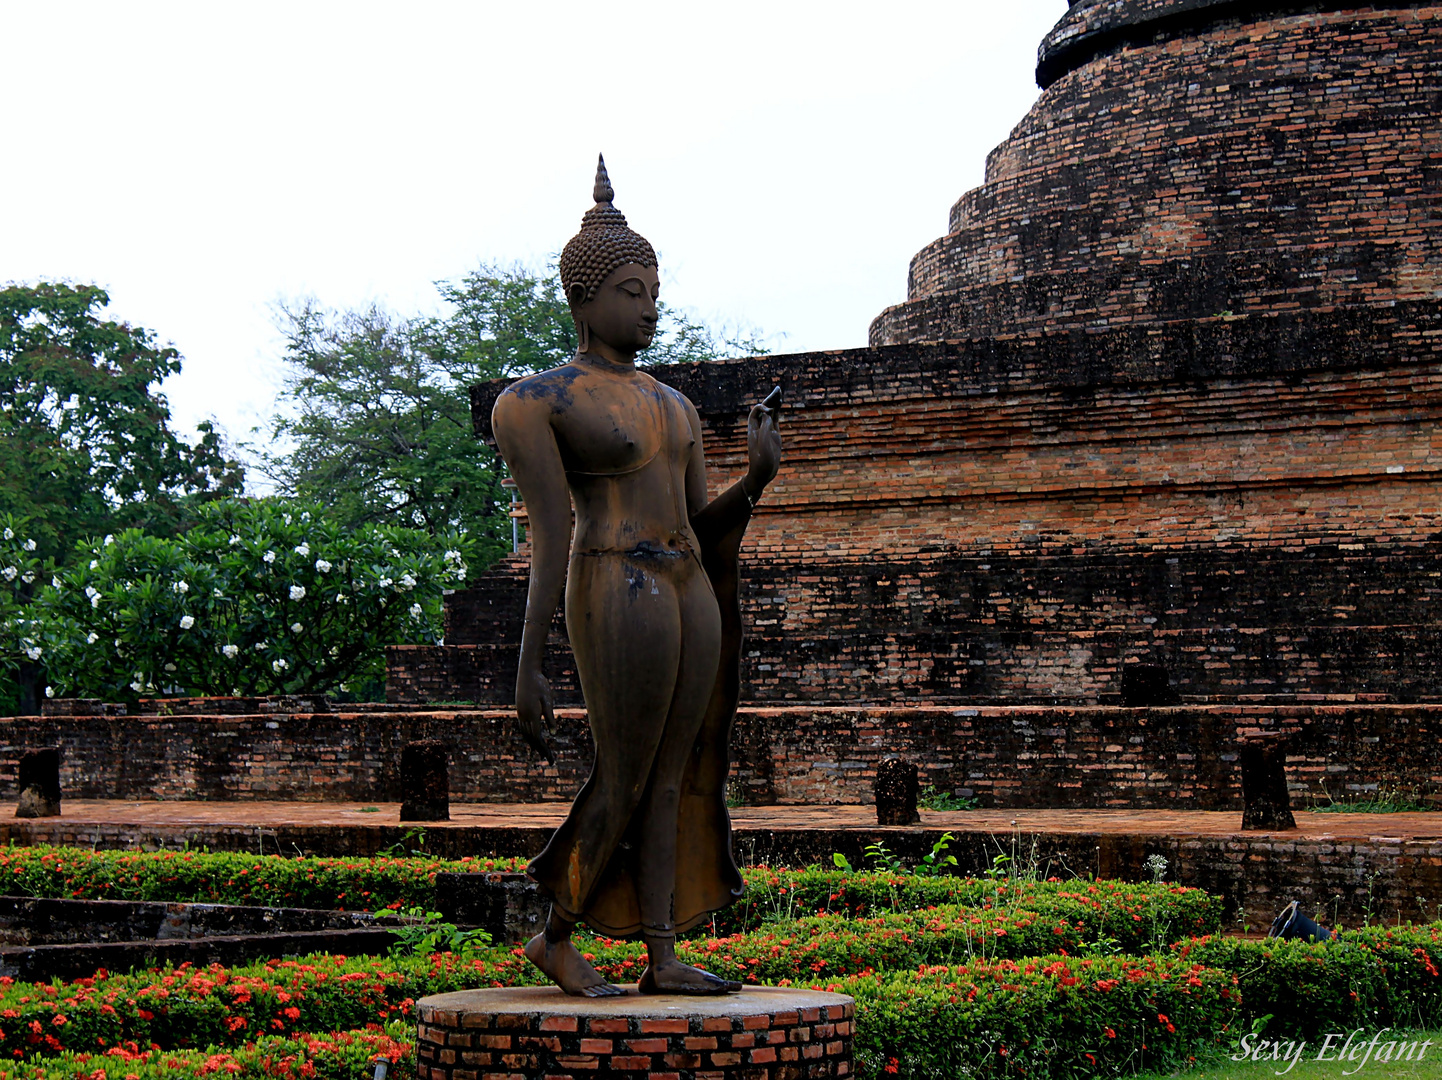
{"x":706,"y":875}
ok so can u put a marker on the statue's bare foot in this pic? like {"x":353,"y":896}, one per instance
{"x":567,"y":968}
{"x":674,"y":977}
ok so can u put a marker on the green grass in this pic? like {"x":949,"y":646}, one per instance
{"x":1382,"y":801}
{"x":1308,"y":1067}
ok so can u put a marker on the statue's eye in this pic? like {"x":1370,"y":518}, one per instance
{"x":630,"y":288}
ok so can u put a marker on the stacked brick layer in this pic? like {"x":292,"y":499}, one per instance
{"x":1010,"y":756}
{"x":512,"y":1035}
{"x":1265,"y":162}
{"x":1250,"y":502}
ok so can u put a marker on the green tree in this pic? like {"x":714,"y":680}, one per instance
{"x":379,"y":427}
{"x":85,"y":440}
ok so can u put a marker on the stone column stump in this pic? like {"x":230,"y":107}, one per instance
{"x":425,"y":781}
{"x":897,"y":789}
{"x":762,"y":1033}
{"x":39,"y":783}
{"x":1266,"y":805}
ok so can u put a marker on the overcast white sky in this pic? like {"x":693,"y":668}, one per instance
{"x":202,"y":161}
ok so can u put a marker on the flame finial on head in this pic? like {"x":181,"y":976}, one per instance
{"x":602,"y":192}
{"x":604,"y":243}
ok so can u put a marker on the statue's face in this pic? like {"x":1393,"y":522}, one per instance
{"x":623,"y":311}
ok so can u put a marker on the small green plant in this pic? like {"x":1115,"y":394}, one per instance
{"x":938,"y":862}
{"x":1385,"y":800}
{"x":412,"y":843}
{"x":841,"y":862}
{"x":419,"y":932}
{"x":933,"y":799}
{"x":1000,"y":867}
{"x":882,"y":860}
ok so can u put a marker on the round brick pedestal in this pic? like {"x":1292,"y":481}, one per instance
{"x":538,"y":1032}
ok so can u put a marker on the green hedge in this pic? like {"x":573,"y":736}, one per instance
{"x":1055,"y":1014}
{"x":341,"y":1055}
{"x":362,"y":884}
{"x":1075,"y":1015}
{"x":1133,"y":915}
{"x":1374,"y":977}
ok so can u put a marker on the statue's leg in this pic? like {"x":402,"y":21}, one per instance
{"x":658,"y":865}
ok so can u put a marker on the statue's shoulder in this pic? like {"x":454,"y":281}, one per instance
{"x":550,"y":390}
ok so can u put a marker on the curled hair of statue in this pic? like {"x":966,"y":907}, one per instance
{"x":604,"y":242}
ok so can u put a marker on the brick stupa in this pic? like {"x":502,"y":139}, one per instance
{"x":1157,"y":420}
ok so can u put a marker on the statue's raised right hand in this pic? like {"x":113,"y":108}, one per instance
{"x":533,"y":702}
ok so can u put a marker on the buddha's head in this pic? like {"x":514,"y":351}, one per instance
{"x":609,"y":275}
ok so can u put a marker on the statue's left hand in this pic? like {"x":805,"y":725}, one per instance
{"x":763,"y":443}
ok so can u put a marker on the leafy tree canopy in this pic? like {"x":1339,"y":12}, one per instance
{"x":380,"y":423}
{"x":85,"y":442}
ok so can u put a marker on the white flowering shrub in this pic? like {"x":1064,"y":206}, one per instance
{"x":259,"y":597}
{"x":21,"y":576}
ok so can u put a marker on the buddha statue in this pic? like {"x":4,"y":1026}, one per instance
{"x":650,"y":585}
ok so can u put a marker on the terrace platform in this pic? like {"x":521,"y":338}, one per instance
{"x":1346,"y":866}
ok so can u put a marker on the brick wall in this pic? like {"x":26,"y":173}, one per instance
{"x":1013,"y":756}
{"x":1261,"y":162}
{"x":1018,"y":520}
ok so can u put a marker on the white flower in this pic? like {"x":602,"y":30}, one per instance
{"x":169,"y":667}
{"x":50,"y":691}
{"x":453,"y":556}
{"x":322,"y":566}
{"x":29,"y":545}
{"x":269,"y":557}
{"x":278,"y":665}
{"x":385,"y":583}
{"x":95,"y":601}
{"x":296,"y":628}
{"x":34,"y":652}
{"x":230,"y":651}
{"x":416,"y":611}
{"x":91,"y":638}
{"x":94,"y":563}
{"x":234,"y":540}
{"x":408,"y":582}
{"x":335,"y":650}
{"x":28,"y":576}
{"x":235,"y":691}
{"x":187,"y":621}
{"x":137,"y":686}
{"x":91,"y":591}
{"x":286,"y":518}
{"x":9,"y":534}
{"x":10,"y":573}
{"x":217,"y":594}
{"x":418,"y":517}
{"x":181,"y":587}
{"x":461,"y":573}
{"x":302,"y":550}
{"x":55,"y":581}
{"x":109,"y":539}
{"x":340,"y":598}
{"x":261,"y":646}
{"x":305,"y":516}
{"x":297,"y":592}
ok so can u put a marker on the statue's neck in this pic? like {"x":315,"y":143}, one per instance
{"x":608,"y":358}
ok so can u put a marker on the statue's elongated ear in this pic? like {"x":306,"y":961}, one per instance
{"x":576,"y":295}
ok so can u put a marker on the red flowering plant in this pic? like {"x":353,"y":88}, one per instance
{"x":227,"y":877}
{"x":1056,"y":1016}
{"x":341,"y":1055}
{"x":1376,"y":976}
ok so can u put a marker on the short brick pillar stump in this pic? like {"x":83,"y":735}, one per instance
{"x":539,"y":1033}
